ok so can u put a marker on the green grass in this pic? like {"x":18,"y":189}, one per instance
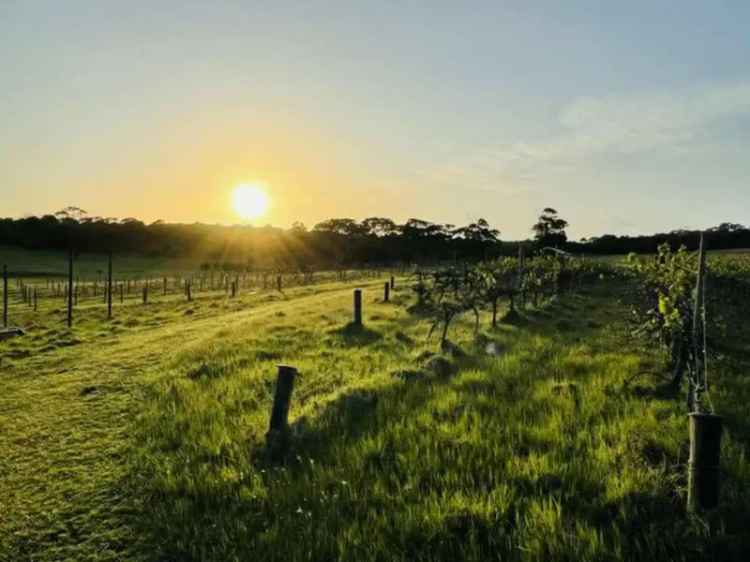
{"x":147,"y":442}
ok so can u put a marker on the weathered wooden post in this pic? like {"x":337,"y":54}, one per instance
{"x":5,"y":296}
{"x":234,"y":289}
{"x":36,"y":301}
{"x":700,"y":386}
{"x":145,"y":294}
{"x":70,"y":288}
{"x":109,"y":286}
{"x":165,"y":286}
{"x":521,"y":266}
{"x":122,"y":292}
{"x":703,"y":466}
{"x":278,"y":283}
{"x":277,"y":438}
{"x":386,"y":292}
{"x":393,"y":282}
{"x":357,"y":307}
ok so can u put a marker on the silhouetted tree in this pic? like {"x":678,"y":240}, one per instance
{"x":550,"y":229}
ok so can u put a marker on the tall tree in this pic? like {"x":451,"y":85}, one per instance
{"x":549,"y":230}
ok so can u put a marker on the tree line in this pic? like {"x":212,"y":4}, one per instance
{"x":331,"y":243}
{"x":336,"y":242}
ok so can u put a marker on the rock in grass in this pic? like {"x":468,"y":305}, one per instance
{"x":8,"y":333}
{"x":485,"y":344}
{"x":492,"y":349}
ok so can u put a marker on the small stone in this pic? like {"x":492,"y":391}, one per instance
{"x":492,"y":349}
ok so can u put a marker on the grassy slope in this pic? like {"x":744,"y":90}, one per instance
{"x":150,"y":445}
{"x":66,"y":413}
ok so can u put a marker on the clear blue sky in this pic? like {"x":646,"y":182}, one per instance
{"x":625,"y":116}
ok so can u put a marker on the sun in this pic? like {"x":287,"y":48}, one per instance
{"x":250,"y":200}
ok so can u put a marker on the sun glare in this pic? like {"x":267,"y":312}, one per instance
{"x":250,"y":200}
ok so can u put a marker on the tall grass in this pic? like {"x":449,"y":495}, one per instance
{"x":542,"y":452}
{"x":549,"y":439}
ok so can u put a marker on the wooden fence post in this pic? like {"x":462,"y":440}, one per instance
{"x":109,"y":286}
{"x":70,"y":288}
{"x":5,"y":296}
{"x":703,"y":466}
{"x":277,"y":438}
{"x":386,"y":292}
{"x":357,"y":307}
{"x":521,"y":269}
{"x":697,"y":389}
{"x":36,"y":301}
{"x":145,"y":294}
{"x":393,"y":282}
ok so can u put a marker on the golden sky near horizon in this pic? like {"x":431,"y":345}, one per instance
{"x":628,"y":118}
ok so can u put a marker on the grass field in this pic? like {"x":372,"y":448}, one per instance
{"x":142,"y":438}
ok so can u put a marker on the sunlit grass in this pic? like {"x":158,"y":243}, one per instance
{"x":150,"y":445}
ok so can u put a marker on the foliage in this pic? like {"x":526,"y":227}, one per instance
{"x":453,"y":291}
{"x":549,"y":230}
{"x":337,"y":242}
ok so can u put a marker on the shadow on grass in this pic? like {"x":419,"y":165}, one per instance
{"x":191,"y":519}
{"x":354,"y":335}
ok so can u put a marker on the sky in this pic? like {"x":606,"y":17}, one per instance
{"x":627,"y":117}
